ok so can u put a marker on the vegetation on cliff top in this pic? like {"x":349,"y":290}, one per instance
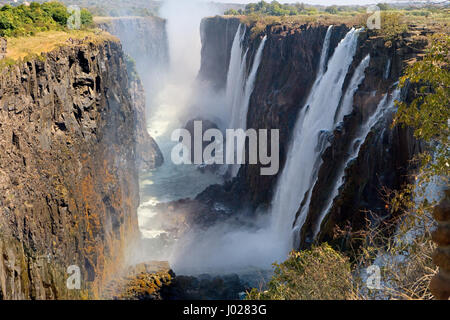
{"x":275,"y":8}
{"x":35,"y":29}
{"x":25,"y":48}
{"x":28,"y":20}
{"x":394,"y":22}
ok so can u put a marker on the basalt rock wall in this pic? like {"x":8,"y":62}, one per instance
{"x":68,"y":176}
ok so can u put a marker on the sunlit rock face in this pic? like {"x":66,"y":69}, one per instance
{"x":69,"y":182}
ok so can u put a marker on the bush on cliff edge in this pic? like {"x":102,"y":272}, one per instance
{"x":317,"y":274}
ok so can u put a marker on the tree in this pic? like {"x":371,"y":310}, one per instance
{"x":429,"y":111}
{"x":332,"y":10}
{"x":383,"y":6}
{"x":86,"y":17}
{"x":57,"y":11}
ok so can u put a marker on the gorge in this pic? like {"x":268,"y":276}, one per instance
{"x":86,"y":172}
{"x":281,"y":78}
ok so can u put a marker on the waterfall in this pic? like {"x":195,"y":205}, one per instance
{"x":238,"y":88}
{"x":303,"y":158}
{"x":249,"y":86}
{"x":236,"y":77}
{"x":387,"y":71}
{"x":325,"y":48}
{"x":384,"y":106}
{"x":347,"y":103}
{"x":344,"y":109}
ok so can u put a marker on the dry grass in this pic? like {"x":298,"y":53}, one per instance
{"x":439,"y":21}
{"x":22,"y":47}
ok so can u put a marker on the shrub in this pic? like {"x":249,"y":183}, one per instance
{"x":392,"y":25}
{"x":86,"y":17}
{"x":28,"y":20}
{"x":429,"y":111}
{"x":317,"y":274}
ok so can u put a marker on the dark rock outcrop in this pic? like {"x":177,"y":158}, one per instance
{"x":145,"y":281}
{"x":69,"y":184}
{"x":156,"y":281}
{"x":148,"y":154}
{"x":217,"y":35}
{"x":144,"y":40}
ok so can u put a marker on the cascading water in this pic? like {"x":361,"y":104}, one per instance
{"x":239,"y":89}
{"x":384,"y":106}
{"x":347,"y":103}
{"x":303,"y":159}
{"x":387,"y":71}
{"x":241,"y":121}
{"x":236,"y":76}
{"x":344,"y":109}
{"x":228,"y":246}
{"x":324,"y":53}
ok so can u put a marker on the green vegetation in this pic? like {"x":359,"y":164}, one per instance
{"x":317,"y":274}
{"x":26,"y":20}
{"x":393,"y":25}
{"x":429,"y":112}
{"x":274,"y":8}
{"x":394,"y":17}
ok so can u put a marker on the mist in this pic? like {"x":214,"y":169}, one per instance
{"x":230,"y":245}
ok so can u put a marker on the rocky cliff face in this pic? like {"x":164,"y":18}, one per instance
{"x":148,"y":154}
{"x":68,"y":178}
{"x":144,"y":40}
{"x":285,"y":76}
{"x":217,"y":36}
